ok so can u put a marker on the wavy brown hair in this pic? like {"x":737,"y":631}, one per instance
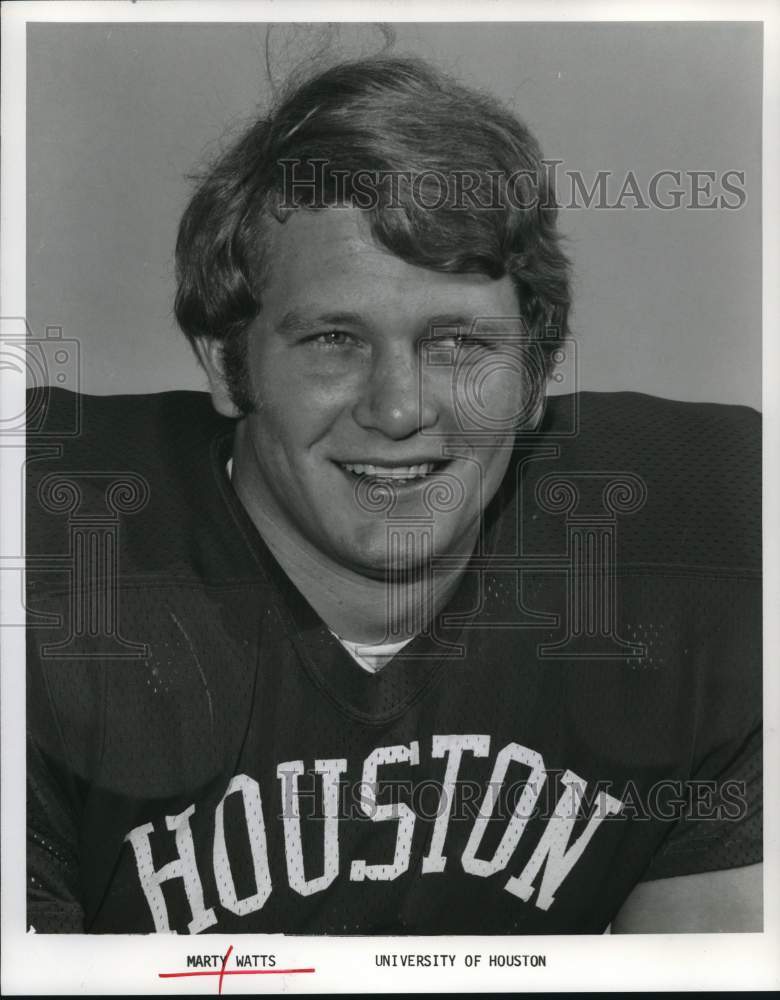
{"x":386,"y":117}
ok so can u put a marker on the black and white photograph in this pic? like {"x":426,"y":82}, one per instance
{"x":385,"y":455}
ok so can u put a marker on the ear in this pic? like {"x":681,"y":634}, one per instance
{"x":209,"y":352}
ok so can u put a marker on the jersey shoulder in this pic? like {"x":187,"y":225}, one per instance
{"x":148,"y":463}
{"x":691,"y":474}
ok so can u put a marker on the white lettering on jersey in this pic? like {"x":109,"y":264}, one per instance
{"x":520,"y":815}
{"x":183,"y":867}
{"x":398,"y":811}
{"x":288,"y":773}
{"x":253,"y":810}
{"x":552,"y":848}
{"x":554,"y":857}
{"x":452,"y":747}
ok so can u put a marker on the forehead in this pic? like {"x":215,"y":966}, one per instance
{"x":328,"y":260}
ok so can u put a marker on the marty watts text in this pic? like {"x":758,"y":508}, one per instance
{"x":242,"y":961}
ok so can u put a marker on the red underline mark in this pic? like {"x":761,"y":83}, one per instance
{"x":222,"y":970}
{"x":234,"y":972}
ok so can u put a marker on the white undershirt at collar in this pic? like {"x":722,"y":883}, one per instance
{"x":372,"y":657}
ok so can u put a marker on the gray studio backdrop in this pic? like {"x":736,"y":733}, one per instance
{"x":667,"y":301}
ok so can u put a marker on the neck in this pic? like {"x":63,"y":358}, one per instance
{"x":358,"y":607}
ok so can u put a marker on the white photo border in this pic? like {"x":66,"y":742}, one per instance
{"x":89,"y":964}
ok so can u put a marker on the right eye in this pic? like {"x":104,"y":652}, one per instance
{"x":464,"y":341}
{"x":332,"y":338}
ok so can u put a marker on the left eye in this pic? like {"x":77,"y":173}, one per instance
{"x":464,"y":342}
{"x":333,"y":338}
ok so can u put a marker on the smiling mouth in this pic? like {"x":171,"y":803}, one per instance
{"x":398,"y":475}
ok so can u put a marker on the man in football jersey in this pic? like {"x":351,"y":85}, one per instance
{"x":378,"y":561}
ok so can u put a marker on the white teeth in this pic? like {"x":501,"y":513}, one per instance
{"x":396,"y":472}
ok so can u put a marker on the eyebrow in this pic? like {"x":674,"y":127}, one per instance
{"x":293,"y":322}
{"x":448,"y":321}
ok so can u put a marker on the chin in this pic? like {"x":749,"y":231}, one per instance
{"x":405,"y":561}
{"x":396,"y":572}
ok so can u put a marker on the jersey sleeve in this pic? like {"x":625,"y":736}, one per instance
{"x":720,"y":821}
{"x":710,"y":529}
{"x":53,"y":904}
{"x":53,"y":889}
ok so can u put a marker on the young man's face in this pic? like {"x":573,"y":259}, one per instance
{"x":356,"y":414}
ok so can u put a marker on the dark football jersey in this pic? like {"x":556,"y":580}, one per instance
{"x":204,"y":755}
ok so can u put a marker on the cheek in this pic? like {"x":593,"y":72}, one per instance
{"x":505,"y":393}
{"x":491,"y":400}
{"x":495,"y":461}
{"x":283,"y":379}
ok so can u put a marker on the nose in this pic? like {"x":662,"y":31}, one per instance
{"x":396,"y":401}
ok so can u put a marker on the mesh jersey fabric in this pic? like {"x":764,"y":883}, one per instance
{"x":209,"y":758}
